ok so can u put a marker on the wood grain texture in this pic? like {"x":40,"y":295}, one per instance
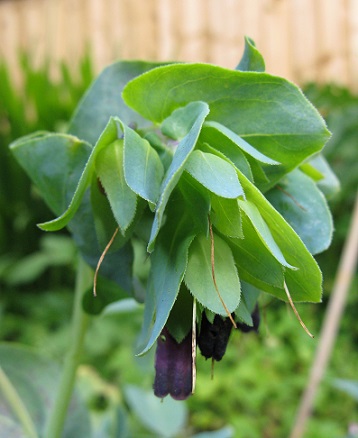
{"x":303,"y":40}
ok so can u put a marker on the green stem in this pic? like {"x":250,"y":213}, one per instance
{"x":19,"y":409}
{"x":80,"y":322}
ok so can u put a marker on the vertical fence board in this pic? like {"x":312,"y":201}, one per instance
{"x":303,"y":40}
{"x":352,"y":58}
{"x":300,"y":39}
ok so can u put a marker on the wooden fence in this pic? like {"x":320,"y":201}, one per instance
{"x":303,"y":40}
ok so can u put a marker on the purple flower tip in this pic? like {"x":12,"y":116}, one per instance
{"x":173,"y":367}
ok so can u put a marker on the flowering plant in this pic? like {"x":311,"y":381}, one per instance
{"x":215,"y":174}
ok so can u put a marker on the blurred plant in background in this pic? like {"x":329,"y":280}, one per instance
{"x":268,"y":371}
{"x":39,"y":103}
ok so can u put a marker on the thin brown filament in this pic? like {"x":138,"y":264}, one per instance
{"x":213,"y":274}
{"x":101,"y":260}
{"x":295,"y":311}
{"x":193,"y":348}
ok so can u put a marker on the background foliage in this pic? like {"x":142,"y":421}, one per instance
{"x":257,"y":388}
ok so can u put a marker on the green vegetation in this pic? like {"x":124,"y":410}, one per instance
{"x":256,"y":388}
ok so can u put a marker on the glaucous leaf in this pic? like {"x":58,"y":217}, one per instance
{"x":268,"y":112}
{"x":225,"y":149}
{"x":199,"y":280}
{"x":255,"y":263}
{"x":52,"y":161}
{"x":214,"y":173}
{"x":180,"y":319}
{"x":103,"y":100}
{"x":104,"y":221}
{"x":226,"y":217}
{"x":180,"y":121}
{"x":252,"y":59}
{"x":197,"y":199}
{"x":240,"y":142}
{"x":56,"y":161}
{"x":329,"y":184}
{"x":305,"y":283}
{"x":109,"y":168}
{"x":305,"y":208}
{"x":108,"y":136}
{"x":143,"y":169}
{"x":168,"y":265}
{"x":263,"y":231}
{"x":176,"y":168}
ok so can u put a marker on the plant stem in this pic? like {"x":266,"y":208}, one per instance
{"x":19,"y":409}
{"x":80,"y":322}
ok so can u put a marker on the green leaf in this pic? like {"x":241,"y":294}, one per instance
{"x":329,"y":184}
{"x":268,"y":112}
{"x":242,"y":313}
{"x":255,"y":263}
{"x":239,"y":142}
{"x":168,"y":265}
{"x":52,"y":161}
{"x":250,"y":294}
{"x":104,"y":221}
{"x":199,"y":280}
{"x":180,"y":121}
{"x":165,"y":418}
{"x":197,"y":199}
{"x":109,"y":168}
{"x":176,"y":167}
{"x":226,"y":216}
{"x":180,"y":319}
{"x":143,"y":169}
{"x":304,"y":207}
{"x":263,"y":231}
{"x":305,"y":283}
{"x":249,"y":297}
{"x":55,"y":163}
{"x":252,"y":59}
{"x":103,"y":100}
{"x":108,"y":136}
{"x":226,"y":150}
{"x":36,"y":379}
{"x":214,"y":173}
{"x":107,"y":292}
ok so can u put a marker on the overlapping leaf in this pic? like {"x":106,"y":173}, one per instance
{"x":103,"y":100}
{"x":168,"y":265}
{"x":214,"y":173}
{"x":263,"y":231}
{"x":305,"y":283}
{"x":304,"y":207}
{"x":268,"y":112}
{"x":198,"y":276}
{"x":176,"y":168}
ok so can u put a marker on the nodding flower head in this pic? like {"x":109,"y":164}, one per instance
{"x":174,"y":361}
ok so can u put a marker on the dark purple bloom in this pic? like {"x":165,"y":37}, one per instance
{"x":213,"y":337}
{"x":173,"y":367}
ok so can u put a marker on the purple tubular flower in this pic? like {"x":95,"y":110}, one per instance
{"x":173,"y":367}
{"x":214,"y":337}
